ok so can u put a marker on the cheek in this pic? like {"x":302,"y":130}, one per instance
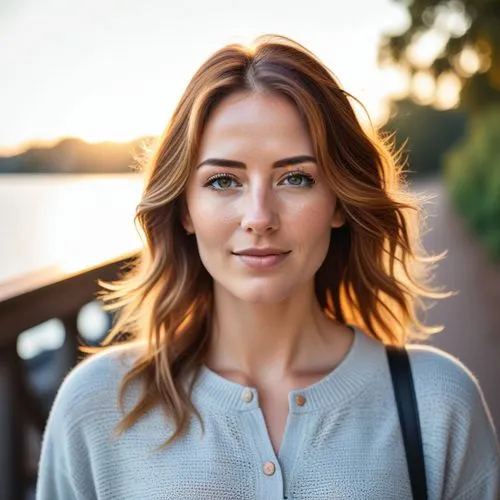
{"x":311,"y":218}
{"x":212,"y":220}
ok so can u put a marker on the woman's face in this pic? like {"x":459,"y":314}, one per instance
{"x":258,"y":187}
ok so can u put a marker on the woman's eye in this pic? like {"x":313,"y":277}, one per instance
{"x":299,"y":179}
{"x":220,"y":182}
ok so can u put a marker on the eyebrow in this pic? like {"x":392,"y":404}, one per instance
{"x":222,"y":162}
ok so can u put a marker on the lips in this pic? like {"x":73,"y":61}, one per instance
{"x":261,"y":260}
{"x":264,"y":252}
{"x":260,"y":254}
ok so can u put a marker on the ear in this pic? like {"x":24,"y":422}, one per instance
{"x":338,"y":218}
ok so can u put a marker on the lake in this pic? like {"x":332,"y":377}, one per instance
{"x":66,"y":222}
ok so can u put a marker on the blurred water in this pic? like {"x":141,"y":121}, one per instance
{"x":67,"y":223}
{"x":63,"y":221}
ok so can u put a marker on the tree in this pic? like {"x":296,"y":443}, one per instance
{"x":425,"y":134}
{"x":459,"y":41}
{"x":473,"y":174}
{"x":451,"y":40}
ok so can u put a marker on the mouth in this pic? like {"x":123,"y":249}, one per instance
{"x":261,"y":261}
{"x":260,"y":254}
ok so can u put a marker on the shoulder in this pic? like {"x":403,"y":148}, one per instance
{"x":460,"y":441}
{"x":446,"y":388}
{"x":453,"y":411}
{"x":93,"y":385}
{"x":438,"y":374}
{"x":82,"y":418}
{"x":111,"y":363}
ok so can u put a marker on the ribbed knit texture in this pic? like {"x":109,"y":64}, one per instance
{"x":343,"y":443}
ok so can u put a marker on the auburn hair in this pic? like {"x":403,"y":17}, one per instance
{"x":375,"y":275}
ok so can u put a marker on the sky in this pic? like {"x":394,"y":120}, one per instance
{"x":114,"y":69}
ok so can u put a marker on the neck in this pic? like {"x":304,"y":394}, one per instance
{"x":265,"y":342}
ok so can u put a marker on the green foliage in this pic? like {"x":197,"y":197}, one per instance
{"x":465,"y":27}
{"x":473,"y":172}
{"x":472,"y":24}
{"x":424,"y":134}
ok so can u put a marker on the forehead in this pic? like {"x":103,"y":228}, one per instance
{"x":255,"y":120}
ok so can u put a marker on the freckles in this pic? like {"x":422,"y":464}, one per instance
{"x":213,"y":220}
{"x":312,"y":212}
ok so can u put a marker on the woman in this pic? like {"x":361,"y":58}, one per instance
{"x":280,"y":258}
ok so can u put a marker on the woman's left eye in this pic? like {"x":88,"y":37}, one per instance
{"x":297,"y":178}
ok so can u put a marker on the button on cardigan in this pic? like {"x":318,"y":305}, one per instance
{"x":342,"y":437}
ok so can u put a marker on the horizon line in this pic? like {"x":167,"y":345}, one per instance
{"x":16,"y":149}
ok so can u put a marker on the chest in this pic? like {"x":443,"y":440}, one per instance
{"x":275,"y":407}
{"x":275,"y":412}
{"x":321,"y":456}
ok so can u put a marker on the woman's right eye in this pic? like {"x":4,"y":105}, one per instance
{"x":223,"y":181}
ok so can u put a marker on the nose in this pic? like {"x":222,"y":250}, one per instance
{"x":260,"y":215}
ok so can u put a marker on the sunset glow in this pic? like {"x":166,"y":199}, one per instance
{"x":114,"y":70}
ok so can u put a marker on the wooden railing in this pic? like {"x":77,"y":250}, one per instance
{"x":26,"y":303}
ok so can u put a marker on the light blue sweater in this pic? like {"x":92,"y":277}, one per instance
{"x":343,"y":442}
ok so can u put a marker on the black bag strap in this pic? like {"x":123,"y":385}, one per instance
{"x":404,"y":391}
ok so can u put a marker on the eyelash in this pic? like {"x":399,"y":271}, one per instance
{"x":304,"y":175}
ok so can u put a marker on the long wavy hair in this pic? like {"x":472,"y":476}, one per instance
{"x":376,"y":274}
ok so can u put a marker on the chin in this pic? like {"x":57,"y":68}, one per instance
{"x":262,"y":293}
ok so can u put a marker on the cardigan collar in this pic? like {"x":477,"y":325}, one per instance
{"x":364,"y":359}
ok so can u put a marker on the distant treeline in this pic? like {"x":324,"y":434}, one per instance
{"x":423,"y":132}
{"x":74,"y":156}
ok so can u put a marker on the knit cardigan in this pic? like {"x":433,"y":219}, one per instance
{"x":342,"y":438}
